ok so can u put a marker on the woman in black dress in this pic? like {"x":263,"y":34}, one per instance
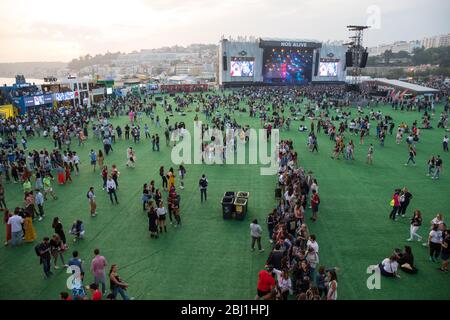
{"x":59,"y":230}
{"x":152,"y":221}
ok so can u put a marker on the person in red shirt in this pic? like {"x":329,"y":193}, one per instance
{"x":96,"y":294}
{"x":315,"y":201}
{"x":266,"y":283}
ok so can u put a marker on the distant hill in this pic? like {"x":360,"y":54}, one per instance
{"x":30,"y":69}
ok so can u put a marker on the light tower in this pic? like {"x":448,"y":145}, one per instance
{"x":358,"y":52}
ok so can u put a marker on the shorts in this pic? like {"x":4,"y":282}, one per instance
{"x":445,"y":256}
{"x":315,"y":208}
{"x":162,"y":218}
{"x":93,"y":162}
{"x":262,"y":293}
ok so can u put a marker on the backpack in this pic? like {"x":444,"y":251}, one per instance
{"x":87,"y":194}
{"x":203,"y":183}
{"x":37,"y":249}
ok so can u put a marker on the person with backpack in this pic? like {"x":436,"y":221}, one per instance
{"x":315,"y":201}
{"x":43,"y":252}
{"x":203,"y":184}
{"x":92,"y":204}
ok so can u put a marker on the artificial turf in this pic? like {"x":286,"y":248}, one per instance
{"x":210,"y":258}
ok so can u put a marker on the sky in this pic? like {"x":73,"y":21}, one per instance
{"x":60,"y":30}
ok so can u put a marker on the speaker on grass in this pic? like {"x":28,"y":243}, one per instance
{"x":225,"y":63}
{"x":364,"y":57}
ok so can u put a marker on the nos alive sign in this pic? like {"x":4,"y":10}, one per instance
{"x":289,"y":44}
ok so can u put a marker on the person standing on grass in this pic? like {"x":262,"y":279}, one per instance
{"x":416,"y":222}
{"x":438,"y":168}
{"x":404,"y":199}
{"x":98,"y":266}
{"x":412,"y":154}
{"x":445,"y":143}
{"x":59,"y":229}
{"x":203,"y":184}
{"x":266,"y":283}
{"x":445,"y":250}
{"x":431,"y":165}
{"x":157,"y":142}
{"x":47,"y":181}
{"x":39,"y":200}
{"x":43,"y":251}
{"x":104,"y":175}
{"x":116,"y":283}
{"x":68,"y":173}
{"x":115,"y":175}
{"x":147,"y":131}
{"x":111,"y":187}
{"x":76,"y":162}
{"x":57,"y":249}
{"x":435,"y":242}
{"x":152,"y":221}
{"x":76,"y":261}
{"x":92,"y":202}
{"x":255,"y":232}
{"x":315,"y":201}
{"x":100,"y":158}
{"x":163,"y":177}
{"x":93,"y":157}
{"x":181,"y":173}
{"x":16,"y":222}
{"x":370,"y":155}
{"x":395,"y":203}
{"x":161,"y":213}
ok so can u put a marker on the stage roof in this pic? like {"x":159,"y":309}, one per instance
{"x":406,"y":86}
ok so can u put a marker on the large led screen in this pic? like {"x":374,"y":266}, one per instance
{"x":242,"y":67}
{"x":287,"y":65}
{"x":328,"y":69}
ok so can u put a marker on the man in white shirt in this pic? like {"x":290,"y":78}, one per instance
{"x":16,"y":222}
{"x":76,"y":162}
{"x":111,"y":187}
{"x":39,"y":200}
{"x":255,"y":232}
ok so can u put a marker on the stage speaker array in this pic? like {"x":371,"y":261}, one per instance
{"x":316,"y":66}
{"x":364,"y":58}
{"x":349,"y":59}
{"x":225,"y":63}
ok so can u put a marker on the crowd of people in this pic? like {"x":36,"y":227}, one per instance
{"x":293,"y":266}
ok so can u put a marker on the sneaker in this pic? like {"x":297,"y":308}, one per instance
{"x":409,"y":240}
{"x":56,"y":267}
{"x":262,"y":250}
{"x":425,"y":244}
{"x":40,"y":219}
{"x":253,"y":249}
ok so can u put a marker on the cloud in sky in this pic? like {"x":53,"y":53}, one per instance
{"x":51,"y":30}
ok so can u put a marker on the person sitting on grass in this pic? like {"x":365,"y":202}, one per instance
{"x":77,"y":230}
{"x":388,"y":267}
{"x":406,"y":261}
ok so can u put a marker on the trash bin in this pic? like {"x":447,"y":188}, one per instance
{"x":227,"y":207}
{"x":242,"y":194}
{"x":229,"y":194}
{"x":240,"y":207}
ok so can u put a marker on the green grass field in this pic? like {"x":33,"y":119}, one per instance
{"x":209,"y":258}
